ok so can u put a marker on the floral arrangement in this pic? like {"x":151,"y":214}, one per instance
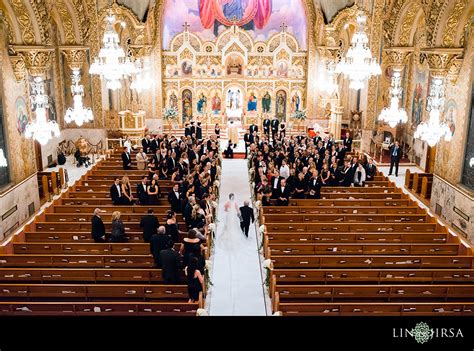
{"x":170,"y":113}
{"x":262,"y":229}
{"x":300,"y":115}
{"x":207,"y":274}
{"x":201,"y":312}
{"x":268,"y":265}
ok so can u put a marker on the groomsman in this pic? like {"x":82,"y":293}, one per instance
{"x":395,"y":156}
{"x":253,"y":128}
{"x":146,"y":143}
{"x":126,"y":160}
{"x":347,"y":142}
{"x":174,"y":199}
{"x":199,"y":131}
{"x":193,"y":130}
{"x":187,"y":130}
{"x":275,"y":123}
{"x":266,"y":126}
{"x":247,"y":142}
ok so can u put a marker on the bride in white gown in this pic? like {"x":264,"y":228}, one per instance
{"x":231,"y":236}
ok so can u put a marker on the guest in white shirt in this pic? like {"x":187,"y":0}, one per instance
{"x":284,"y":170}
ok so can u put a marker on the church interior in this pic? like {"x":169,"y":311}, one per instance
{"x":130,"y":128}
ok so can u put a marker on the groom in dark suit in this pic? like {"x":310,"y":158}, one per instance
{"x":247,"y":215}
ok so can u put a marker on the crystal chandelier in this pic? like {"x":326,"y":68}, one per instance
{"x":433,"y":130}
{"x":358,"y":64}
{"x":112,"y":64}
{"x":142,"y":79}
{"x":3,"y":160}
{"x":393,"y":114}
{"x":41,"y":129}
{"x":327,"y":81}
{"x":78,"y":113}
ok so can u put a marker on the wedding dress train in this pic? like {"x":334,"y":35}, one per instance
{"x":231,"y":236}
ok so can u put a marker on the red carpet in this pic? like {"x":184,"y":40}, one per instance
{"x":237,"y":155}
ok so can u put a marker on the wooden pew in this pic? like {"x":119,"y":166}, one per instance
{"x":417,"y":178}
{"x":408,"y":179}
{"x":426,"y":184}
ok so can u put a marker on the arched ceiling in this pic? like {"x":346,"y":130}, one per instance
{"x":330,"y":8}
{"x":140,"y":8}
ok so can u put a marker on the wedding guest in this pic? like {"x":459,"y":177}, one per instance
{"x":195,"y":279}
{"x":150,"y":224}
{"x":127,"y":196}
{"x":142,"y":159}
{"x":97,"y":227}
{"x":118,"y":229}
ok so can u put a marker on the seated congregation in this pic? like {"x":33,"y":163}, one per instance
{"x":137,"y":246}
{"x":339,"y":238}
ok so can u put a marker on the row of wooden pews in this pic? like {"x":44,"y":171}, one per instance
{"x":53,"y":267}
{"x":364,"y":251}
{"x":419,"y":184}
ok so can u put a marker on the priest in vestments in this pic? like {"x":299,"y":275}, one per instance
{"x":233,"y":133}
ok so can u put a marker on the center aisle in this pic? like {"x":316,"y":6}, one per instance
{"x":236,"y":275}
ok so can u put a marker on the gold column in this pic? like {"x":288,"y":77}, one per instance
{"x":75,"y":56}
{"x":37,"y":59}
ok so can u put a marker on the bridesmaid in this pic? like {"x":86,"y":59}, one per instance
{"x":217,"y":130}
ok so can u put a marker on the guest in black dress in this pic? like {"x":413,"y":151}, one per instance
{"x":188,"y":244}
{"x":153,"y":192}
{"x":172,"y":228}
{"x":195,"y":279}
{"x":217,"y":130}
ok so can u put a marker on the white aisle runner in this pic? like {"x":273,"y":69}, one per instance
{"x":236,"y":275}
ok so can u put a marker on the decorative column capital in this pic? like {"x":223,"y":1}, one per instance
{"x":75,"y":56}
{"x":440,"y":60}
{"x":328,"y":52}
{"x":397,"y":57}
{"x":19,"y":67}
{"x":139,"y":51}
{"x":37,"y":59}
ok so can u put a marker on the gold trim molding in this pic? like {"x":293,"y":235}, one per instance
{"x":75,"y":56}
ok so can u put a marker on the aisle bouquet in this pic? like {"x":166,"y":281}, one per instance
{"x":268,"y":265}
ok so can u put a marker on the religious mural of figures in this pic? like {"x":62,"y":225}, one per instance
{"x":186,"y":68}
{"x":208,"y":18}
{"x":187,"y":105}
{"x":450,"y":115}
{"x":202,"y":103}
{"x":21,"y":115}
{"x":295,"y":103}
{"x":173,"y":100}
{"x":252,"y":103}
{"x":419,"y":96}
{"x":216,"y":104}
{"x":282,"y":70}
{"x":280,"y":105}
{"x":266,"y":102}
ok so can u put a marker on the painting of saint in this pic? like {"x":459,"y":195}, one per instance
{"x":281,"y":104}
{"x":187,"y":105}
{"x":252,"y":103}
{"x":21,"y":115}
{"x":202,"y":103}
{"x":216,"y":104}
{"x":282,"y":69}
{"x":173,"y":101}
{"x":450,"y":115}
{"x":295,"y":103}
{"x":418,"y":97}
{"x":186,"y":68}
{"x":266,"y":102}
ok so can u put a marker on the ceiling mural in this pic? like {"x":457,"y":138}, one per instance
{"x":208,"y":18}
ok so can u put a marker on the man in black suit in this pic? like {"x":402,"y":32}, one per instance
{"x":275,"y":183}
{"x":247,"y":215}
{"x":170,"y":264}
{"x":171,"y":163}
{"x":154,"y":145}
{"x":347,"y":142}
{"x":193,"y":130}
{"x":347,"y":174}
{"x":253,"y":128}
{"x":126,"y":159}
{"x":142,"y":193}
{"x":247,"y":143}
{"x":274,"y":124}
{"x":370,"y":170}
{"x":98,"y":228}
{"x":150,"y":224}
{"x":266,"y":126}
{"x":283,"y":195}
{"x":116,"y":192}
{"x":187,"y":130}
{"x":188,"y":210}
{"x":158,"y":243}
{"x":146,"y":143}
{"x":395,"y":156}
{"x":174,"y":199}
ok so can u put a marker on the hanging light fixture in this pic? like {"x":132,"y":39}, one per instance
{"x":41,"y":129}
{"x":3,"y":160}
{"x":112,"y":63}
{"x":358,"y":64}
{"x":433,"y":130}
{"x":394,"y":114}
{"x":142,"y":80}
{"x":327,"y":81}
{"x":78,"y":113}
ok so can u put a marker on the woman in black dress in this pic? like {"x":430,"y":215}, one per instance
{"x":217,"y":130}
{"x":118,"y":229}
{"x":153,"y":192}
{"x":300,"y":187}
{"x":195,"y":279}
{"x":325,"y":175}
{"x":188,"y":244}
{"x":172,"y":228}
